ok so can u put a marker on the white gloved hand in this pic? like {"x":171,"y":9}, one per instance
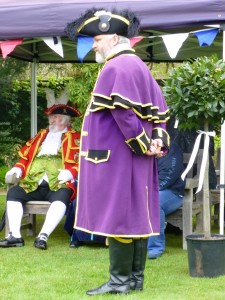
{"x":64,"y":176}
{"x":14,"y":170}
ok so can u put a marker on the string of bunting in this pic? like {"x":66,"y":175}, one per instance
{"x":173,"y":42}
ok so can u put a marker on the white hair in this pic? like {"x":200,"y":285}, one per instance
{"x":65,"y":120}
{"x":123,"y":40}
{"x":123,"y":44}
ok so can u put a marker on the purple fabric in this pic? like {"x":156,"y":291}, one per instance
{"x":128,"y":77}
{"x":118,"y":197}
{"x":38,"y":18}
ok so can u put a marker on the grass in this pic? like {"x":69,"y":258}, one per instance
{"x":63,"y":273}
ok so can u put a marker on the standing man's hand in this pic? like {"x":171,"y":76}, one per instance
{"x":155,"y":148}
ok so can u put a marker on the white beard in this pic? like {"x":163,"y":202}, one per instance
{"x":99,"y":58}
{"x":54,"y":128}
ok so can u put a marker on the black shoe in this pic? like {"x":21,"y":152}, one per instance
{"x":11,"y":241}
{"x":136,"y":285}
{"x":75,"y":244}
{"x":41,"y":244}
{"x":107,"y":288}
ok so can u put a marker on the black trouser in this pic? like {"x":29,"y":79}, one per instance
{"x":43,"y":193}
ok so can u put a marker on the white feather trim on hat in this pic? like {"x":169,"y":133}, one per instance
{"x":52,"y":100}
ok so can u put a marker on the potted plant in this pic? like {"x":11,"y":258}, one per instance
{"x":195,"y":93}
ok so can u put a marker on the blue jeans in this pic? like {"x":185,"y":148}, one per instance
{"x":169,"y":202}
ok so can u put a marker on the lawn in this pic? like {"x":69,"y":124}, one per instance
{"x":63,"y":273}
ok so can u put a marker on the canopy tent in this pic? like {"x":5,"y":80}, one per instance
{"x":31,"y":20}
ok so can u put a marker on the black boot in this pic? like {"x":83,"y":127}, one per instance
{"x":140,"y":253}
{"x":121,"y":258}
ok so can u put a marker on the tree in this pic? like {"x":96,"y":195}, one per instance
{"x":195,"y":92}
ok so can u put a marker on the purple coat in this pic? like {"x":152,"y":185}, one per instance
{"x":117,"y":186}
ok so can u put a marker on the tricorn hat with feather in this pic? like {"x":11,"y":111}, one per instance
{"x":99,"y":21}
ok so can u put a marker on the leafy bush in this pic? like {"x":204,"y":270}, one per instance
{"x":195,"y":92}
{"x":3,"y":170}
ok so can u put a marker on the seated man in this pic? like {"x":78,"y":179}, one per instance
{"x":171,"y":192}
{"x":48,"y":166}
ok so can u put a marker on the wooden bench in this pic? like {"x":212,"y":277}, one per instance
{"x":192,"y":203}
{"x":215,"y":202}
{"x":31,"y":209}
{"x":217,"y":165}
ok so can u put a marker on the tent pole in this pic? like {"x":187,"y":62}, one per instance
{"x":222,"y":159}
{"x":33,"y":98}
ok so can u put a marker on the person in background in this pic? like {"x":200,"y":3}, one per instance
{"x":186,"y":138}
{"x":171,"y":192}
{"x":123,"y":133}
{"x":48,"y":166}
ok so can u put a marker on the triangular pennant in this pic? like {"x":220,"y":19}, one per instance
{"x":206,"y":37}
{"x":8,"y":46}
{"x":55,"y":44}
{"x":173,"y":42}
{"x":84,"y":45}
{"x":135,"y":40}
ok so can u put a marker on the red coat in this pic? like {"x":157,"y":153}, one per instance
{"x":70,"y":153}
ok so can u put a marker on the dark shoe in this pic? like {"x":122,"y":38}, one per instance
{"x":11,"y":241}
{"x":41,"y":244}
{"x":108,"y":288}
{"x":136,"y":285}
{"x":75,"y":244}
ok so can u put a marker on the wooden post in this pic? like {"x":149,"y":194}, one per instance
{"x":205,"y":191}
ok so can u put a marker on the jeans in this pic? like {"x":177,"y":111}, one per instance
{"x":169,"y":202}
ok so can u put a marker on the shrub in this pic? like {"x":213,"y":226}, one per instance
{"x":195,"y":92}
{"x":3,"y":170}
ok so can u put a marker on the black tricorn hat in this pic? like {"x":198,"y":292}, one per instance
{"x":63,"y":109}
{"x":99,"y":21}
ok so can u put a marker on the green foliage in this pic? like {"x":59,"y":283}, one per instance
{"x":3,"y":170}
{"x":9,"y":146}
{"x":195,"y":92}
{"x":81,"y":86}
{"x":12,"y":68}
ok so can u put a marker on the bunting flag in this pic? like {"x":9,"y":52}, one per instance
{"x":135,"y":40}
{"x":206,"y":37}
{"x":84,"y":45}
{"x":173,"y":42}
{"x":55,"y":44}
{"x":8,"y":46}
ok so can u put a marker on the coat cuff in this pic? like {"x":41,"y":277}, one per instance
{"x":160,"y":133}
{"x":139,"y":144}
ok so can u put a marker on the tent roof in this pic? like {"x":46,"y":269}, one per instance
{"x":34,"y":19}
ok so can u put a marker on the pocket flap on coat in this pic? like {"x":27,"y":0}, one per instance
{"x":97,"y":156}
